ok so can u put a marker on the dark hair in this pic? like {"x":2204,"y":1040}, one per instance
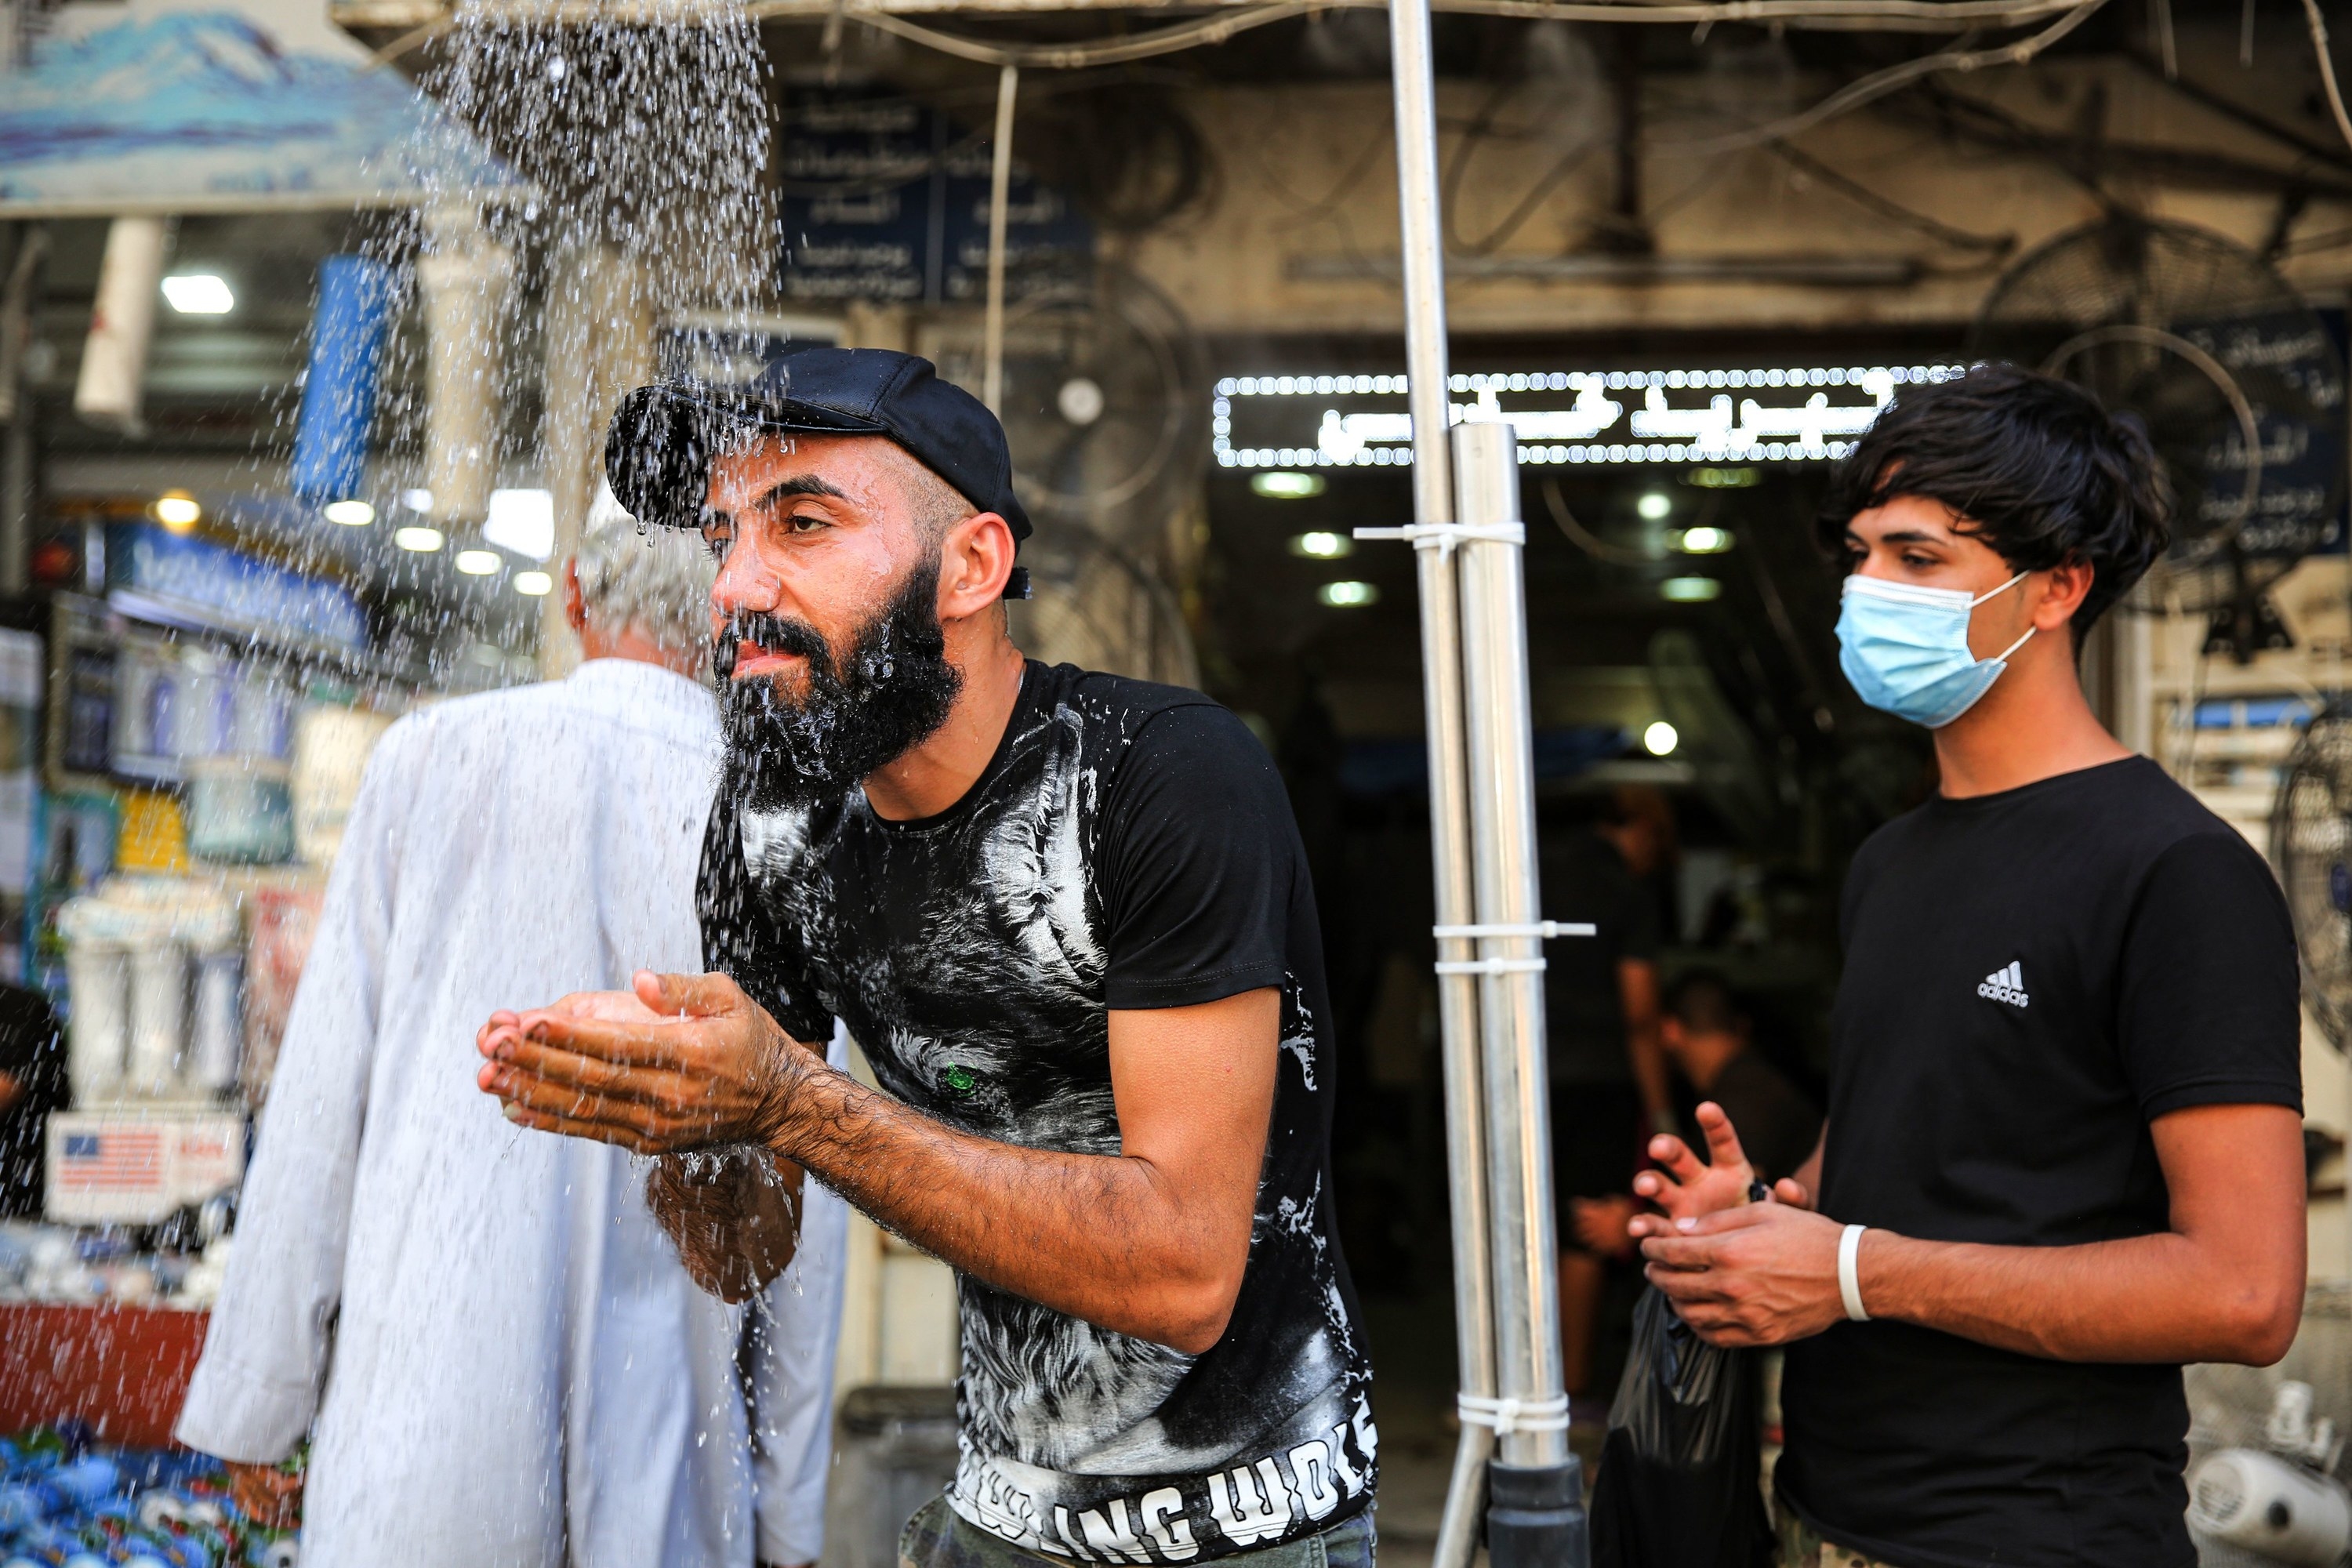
{"x":2034,"y":466}
{"x":1702,"y":1002}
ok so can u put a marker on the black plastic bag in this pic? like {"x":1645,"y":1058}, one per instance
{"x":1680,"y":1483}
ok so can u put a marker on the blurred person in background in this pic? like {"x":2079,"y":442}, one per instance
{"x":32,"y":1084}
{"x":1708,"y":1040}
{"x":538,"y":1381}
{"x":1609,"y":1088}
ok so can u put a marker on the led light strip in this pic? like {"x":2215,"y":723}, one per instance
{"x":1644,"y":428}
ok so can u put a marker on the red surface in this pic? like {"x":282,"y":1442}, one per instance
{"x":124,"y":1370}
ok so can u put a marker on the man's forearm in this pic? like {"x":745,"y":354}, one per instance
{"x":2161,"y":1298}
{"x":1648,"y":1054}
{"x":1098,"y":1236}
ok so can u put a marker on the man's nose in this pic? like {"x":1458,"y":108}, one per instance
{"x":745,"y":582}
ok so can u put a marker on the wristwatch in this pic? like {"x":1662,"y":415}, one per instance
{"x":1757,"y":1193}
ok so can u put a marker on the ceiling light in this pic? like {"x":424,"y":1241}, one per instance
{"x":1660,"y":738}
{"x":1721,"y":478}
{"x":523,"y":521}
{"x":1654,"y":506}
{"x":1689,"y":590}
{"x":199,"y":294}
{"x":418,"y":501}
{"x":1347,"y":596}
{"x":477,"y":562}
{"x":417,"y":539}
{"x":350,"y":513}
{"x":1320,"y":545}
{"x":177,"y":510}
{"x":1699,"y":540}
{"x":535,"y":583}
{"x":1280,"y":486}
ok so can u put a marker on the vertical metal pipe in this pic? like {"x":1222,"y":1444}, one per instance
{"x":1423,"y":252}
{"x":463,"y":279}
{"x":19,"y":478}
{"x":1441,"y":658}
{"x":1000,"y":192}
{"x":111,"y":388}
{"x":1510,"y":1003}
{"x":19,"y":462}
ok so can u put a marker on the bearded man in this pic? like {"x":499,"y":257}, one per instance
{"x":1067,"y":916}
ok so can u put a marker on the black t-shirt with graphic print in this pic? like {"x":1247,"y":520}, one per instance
{"x":2032,"y":978}
{"x":1129,"y":846}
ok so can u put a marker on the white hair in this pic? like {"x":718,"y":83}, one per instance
{"x":655,"y":582}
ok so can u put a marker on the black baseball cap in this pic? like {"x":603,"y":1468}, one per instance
{"x":658,"y":451}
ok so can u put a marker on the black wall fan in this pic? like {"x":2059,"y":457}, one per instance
{"x":1103,"y":402}
{"x":2240,"y":383}
{"x":2311,"y":849}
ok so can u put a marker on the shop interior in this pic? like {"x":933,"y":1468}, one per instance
{"x":1681,"y":620}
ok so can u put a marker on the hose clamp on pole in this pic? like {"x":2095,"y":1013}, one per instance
{"x":1850,"y":1273}
{"x":1442,"y":537}
{"x":1503,"y":965}
{"x":1508,"y":1416}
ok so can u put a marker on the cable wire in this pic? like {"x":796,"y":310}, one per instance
{"x":2327,"y":68}
{"x":1456,"y":166}
{"x":1878,"y":84}
{"x":1592,"y":545}
{"x":1890,"y":15}
{"x":1214,"y":29}
{"x":1959,"y":239}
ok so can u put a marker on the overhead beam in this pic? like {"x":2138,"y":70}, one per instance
{"x":1892,"y":16}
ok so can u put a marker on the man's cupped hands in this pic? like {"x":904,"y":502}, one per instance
{"x":678,"y":1063}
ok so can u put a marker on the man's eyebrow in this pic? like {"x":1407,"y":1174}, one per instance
{"x":1903,"y":536}
{"x":798,"y":485}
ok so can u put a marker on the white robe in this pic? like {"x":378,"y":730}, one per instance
{"x":500,"y":1359}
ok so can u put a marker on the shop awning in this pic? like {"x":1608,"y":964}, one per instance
{"x":189,"y":106}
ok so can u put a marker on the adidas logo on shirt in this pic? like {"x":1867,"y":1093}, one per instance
{"x":2004,"y":985}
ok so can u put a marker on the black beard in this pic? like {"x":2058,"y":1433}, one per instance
{"x":896,"y":692}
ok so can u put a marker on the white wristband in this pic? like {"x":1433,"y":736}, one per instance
{"x":1849,"y":1276}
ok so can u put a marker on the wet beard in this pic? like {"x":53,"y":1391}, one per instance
{"x":887,"y":697}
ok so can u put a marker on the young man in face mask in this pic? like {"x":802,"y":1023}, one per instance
{"x":2064,"y":1153}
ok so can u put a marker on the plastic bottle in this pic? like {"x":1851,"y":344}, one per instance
{"x":89,"y":1481}
{"x":31,"y":1502}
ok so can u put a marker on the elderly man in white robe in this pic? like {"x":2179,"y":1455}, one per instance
{"x":494,"y":1348}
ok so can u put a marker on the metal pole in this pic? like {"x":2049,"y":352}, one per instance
{"x":1000,"y":190}
{"x":18,"y":457}
{"x":1536,"y":1514}
{"x":1449,"y":816}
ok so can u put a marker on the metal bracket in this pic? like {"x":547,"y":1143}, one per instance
{"x":1508,"y":1416}
{"x":1504,"y":965}
{"x":1533,"y":928}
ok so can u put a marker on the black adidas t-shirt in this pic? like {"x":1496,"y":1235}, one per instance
{"x":1129,"y":846}
{"x":2031,"y":977}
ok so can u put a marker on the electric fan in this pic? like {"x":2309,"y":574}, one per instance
{"x":2311,"y":849}
{"x":1102,"y":403}
{"x":2237,"y":379}
{"x":2263,"y":1442}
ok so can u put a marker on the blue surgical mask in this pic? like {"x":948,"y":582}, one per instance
{"x":1905,"y":648}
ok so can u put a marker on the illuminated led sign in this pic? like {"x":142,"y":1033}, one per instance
{"x":1621,"y":417}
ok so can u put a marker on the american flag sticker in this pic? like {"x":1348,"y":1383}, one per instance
{"x":111,"y":1160}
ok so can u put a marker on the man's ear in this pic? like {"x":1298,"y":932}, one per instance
{"x":575,"y":608}
{"x":975,"y":563}
{"x":2068,"y":584}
